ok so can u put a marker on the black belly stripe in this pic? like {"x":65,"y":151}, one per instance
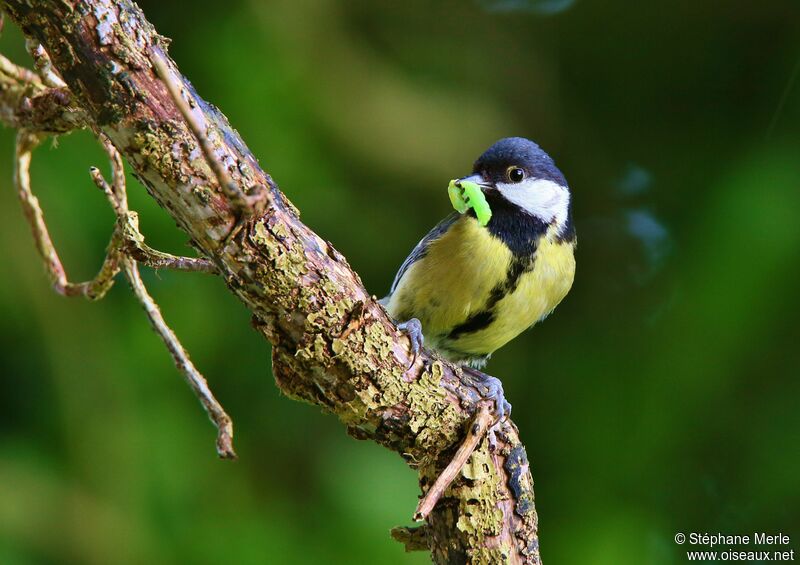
{"x":520,"y":232}
{"x":474,"y":323}
{"x":480,"y":320}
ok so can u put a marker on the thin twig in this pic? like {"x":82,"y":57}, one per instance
{"x":476,"y":432}
{"x":43,"y":65}
{"x":146,"y":255}
{"x":93,"y":289}
{"x":196,"y":381}
{"x":128,"y":223}
{"x":29,"y":102}
{"x":126,"y":230}
{"x":119,"y":186}
{"x":20,"y":74}
{"x":231,"y":189}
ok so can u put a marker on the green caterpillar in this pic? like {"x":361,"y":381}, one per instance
{"x":465,"y":195}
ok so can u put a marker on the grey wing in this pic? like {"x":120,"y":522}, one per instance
{"x":422,"y":247}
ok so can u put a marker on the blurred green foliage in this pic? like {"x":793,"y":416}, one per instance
{"x":662,"y":396}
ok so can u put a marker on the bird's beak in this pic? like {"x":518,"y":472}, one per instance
{"x":477,"y":179}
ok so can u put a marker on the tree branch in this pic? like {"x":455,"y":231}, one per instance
{"x":333,"y":344}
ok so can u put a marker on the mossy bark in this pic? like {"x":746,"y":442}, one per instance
{"x":333,"y":344}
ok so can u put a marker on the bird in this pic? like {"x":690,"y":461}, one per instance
{"x":470,"y":285}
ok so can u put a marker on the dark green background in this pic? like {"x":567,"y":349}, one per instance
{"x":661,"y":397}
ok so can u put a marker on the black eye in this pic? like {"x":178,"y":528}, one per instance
{"x":515,"y":174}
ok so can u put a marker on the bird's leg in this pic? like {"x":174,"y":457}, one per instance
{"x":489,"y":388}
{"x":413,"y":329}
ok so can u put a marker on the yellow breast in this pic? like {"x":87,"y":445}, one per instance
{"x":453,"y":280}
{"x":538,"y":292}
{"x":464,"y":272}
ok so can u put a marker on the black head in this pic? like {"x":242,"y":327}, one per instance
{"x":514,"y":159}
{"x":525,"y":191}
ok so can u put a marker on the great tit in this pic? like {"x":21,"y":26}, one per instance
{"x":467,"y":289}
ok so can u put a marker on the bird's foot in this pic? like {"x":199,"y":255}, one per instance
{"x":489,"y":388}
{"x":413,"y":329}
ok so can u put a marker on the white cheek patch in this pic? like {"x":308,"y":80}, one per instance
{"x":544,"y":199}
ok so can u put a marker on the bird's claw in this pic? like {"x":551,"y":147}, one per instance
{"x":494,"y":391}
{"x":413,"y":329}
{"x":490,"y":388}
